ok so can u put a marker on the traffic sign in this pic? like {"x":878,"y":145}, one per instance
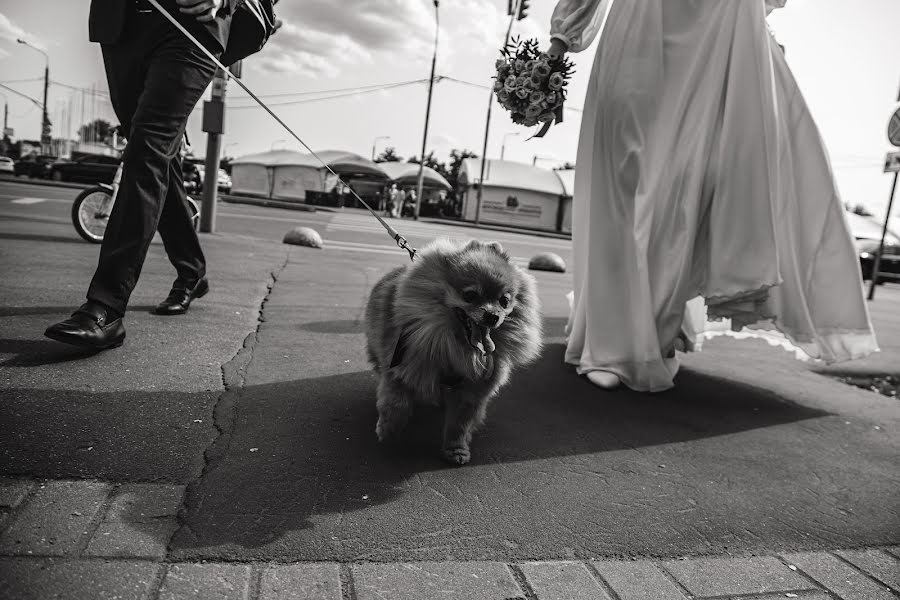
{"x":894,"y":128}
{"x":892,"y":162}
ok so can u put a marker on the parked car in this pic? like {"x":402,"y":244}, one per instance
{"x":867,"y":233}
{"x":6,"y":165}
{"x":224,"y":182}
{"x":34,"y":165}
{"x":93,"y":168}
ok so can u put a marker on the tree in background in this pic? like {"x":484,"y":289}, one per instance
{"x":456,"y":162}
{"x":432,"y":163}
{"x":389,"y":155}
{"x":97,"y":131}
{"x":565,"y":166}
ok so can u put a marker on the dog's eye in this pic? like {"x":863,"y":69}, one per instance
{"x":504,"y":301}
{"x":471,"y":296}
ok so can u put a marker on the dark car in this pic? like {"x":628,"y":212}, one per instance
{"x":867,"y":233}
{"x":34,"y":165}
{"x":93,"y":168}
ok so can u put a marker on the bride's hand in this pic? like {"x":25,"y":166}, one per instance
{"x":557,"y":49}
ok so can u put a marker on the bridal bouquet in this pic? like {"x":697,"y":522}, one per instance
{"x":530,"y":85}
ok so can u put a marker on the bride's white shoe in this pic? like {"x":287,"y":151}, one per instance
{"x":604,"y":379}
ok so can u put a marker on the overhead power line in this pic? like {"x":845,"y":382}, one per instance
{"x":331,"y":91}
{"x":18,"y":93}
{"x":28,"y":80}
{"x":357,"y":92}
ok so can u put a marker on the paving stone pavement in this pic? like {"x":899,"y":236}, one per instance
{"x":94,"y":540}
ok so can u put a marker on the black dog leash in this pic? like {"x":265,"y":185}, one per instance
{"x":399,"y":239}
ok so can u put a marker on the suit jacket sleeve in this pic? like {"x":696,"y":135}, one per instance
{"x":106,"y":21}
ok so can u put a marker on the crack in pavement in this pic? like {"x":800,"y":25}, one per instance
{"x":233,"y":379}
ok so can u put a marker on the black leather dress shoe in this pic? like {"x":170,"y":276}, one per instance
{"x":90,"y":326}
{"x":181,"y":296}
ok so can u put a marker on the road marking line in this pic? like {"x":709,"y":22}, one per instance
{"x":29,"y":200}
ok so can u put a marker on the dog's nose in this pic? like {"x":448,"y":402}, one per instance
{"x":490,"y":319}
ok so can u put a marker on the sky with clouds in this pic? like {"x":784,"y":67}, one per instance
{"x":843,"y":54}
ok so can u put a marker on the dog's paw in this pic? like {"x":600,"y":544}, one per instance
{"x":457,"y":455}
{"x":385,"y":430}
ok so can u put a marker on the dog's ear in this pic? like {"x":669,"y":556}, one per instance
{"x":473,"y":245}
{"x":496,"y":247}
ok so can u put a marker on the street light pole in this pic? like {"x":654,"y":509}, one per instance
{"x":421,"y":181}
{"x":5,"y":114}
{"x":876,"y":264}
{"x":503,"y":147}
{"x":45,"y":121}
{"x":375,"y":141}
{"x":487,"y":123}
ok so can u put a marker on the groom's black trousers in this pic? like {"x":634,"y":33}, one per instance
{"x":155,"y":77}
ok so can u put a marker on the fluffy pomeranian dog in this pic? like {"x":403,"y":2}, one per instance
{"x":447,"y":330}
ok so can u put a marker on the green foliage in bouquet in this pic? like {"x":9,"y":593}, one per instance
{"x":530,"y":85}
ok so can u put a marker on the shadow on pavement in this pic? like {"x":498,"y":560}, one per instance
{"x":24,"y":311}
{"x":124,"y":436}
{"x":39,"y":237}
{"x":37,"y":353}
{"x":304,"y":477}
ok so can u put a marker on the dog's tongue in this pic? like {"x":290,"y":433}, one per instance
{"x":481,"y":339}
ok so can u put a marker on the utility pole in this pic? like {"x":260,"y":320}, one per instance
{"x":46,"y":138}
{"x":45,"y":120}
{"x":421,"y":180}
{"x":214,"y":126}
{"x":876,"y":264}
{"x":515,"y":7}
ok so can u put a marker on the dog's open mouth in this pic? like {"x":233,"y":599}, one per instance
{"x":479,"y":336}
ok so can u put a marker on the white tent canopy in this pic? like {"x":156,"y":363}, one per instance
{"x":288,"y":175}
{"x":512,"y":175}
{"x":515,"y":194}
{"x":408,"y":174}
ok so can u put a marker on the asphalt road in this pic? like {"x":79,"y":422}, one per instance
{"x":352,"y":230}
{"x":268,"y":416}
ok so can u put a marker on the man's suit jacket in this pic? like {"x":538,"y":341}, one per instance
{"x":107,"y":22}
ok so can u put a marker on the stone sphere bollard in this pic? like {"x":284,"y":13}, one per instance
{"x":303,"y":236}
{"x":547,"y":261}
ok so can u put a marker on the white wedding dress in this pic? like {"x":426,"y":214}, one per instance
{"x":704,"y":198}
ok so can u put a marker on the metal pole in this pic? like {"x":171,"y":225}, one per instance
{"x":213,"y":124}
{"x":375,"y":143}
{"x":421,"y":180}
{"x":876,"y":264}
{"x":487,"y":121}
{"x":45,"y":125}
{"x":503,"y":147}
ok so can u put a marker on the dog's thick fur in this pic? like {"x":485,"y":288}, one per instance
{"x":448,"y":330}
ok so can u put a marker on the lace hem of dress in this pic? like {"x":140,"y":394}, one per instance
{"x":746,"y":316}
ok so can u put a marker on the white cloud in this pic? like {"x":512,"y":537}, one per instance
{"x":323,"y":37}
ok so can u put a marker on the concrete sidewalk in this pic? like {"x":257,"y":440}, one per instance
{"x":96,"y":540}
{"x":231,"y":454}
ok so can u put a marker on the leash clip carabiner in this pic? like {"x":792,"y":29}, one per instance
{"x":401,"y":241}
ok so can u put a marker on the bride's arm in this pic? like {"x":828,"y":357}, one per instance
{"x":575,"y":24}
{"x":773,"y":4}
